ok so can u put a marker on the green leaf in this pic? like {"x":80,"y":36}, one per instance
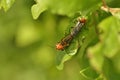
{"x":89,"y":73}
{"x":116,"y":61}
{"x":73,"y":48}
{"x":115,"y":12}
{"x":96,"y":58}
{"x":63,"y":7}
{"x":38,"y":8}
{"x":6,"y":4}
{"x":79,"y":43}
{"x":61,"y":59}
{"x":109,"y":44}
{"x":110,"y":36}
{"x":66,"y":55}
{"x":110,"y":71}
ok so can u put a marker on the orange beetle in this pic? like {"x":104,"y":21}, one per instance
{"x":59,"y":46}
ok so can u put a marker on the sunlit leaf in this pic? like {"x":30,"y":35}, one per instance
{"x":61,"y":59}
{"x":110,"y":28}
{"x":116,"y":60}
{"x":6,"y":4}
{"x":38,"y":8}
{"x":96,"y":58}
{"x":63,"y":7}
{"x":109,"y":44}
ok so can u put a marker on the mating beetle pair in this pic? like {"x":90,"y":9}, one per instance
{"x":67,"y":39}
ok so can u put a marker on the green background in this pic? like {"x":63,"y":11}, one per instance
{"x":29,"y":31}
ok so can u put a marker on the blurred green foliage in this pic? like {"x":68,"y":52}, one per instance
{"x":6,"y":4}
{"x":27,"y":46}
